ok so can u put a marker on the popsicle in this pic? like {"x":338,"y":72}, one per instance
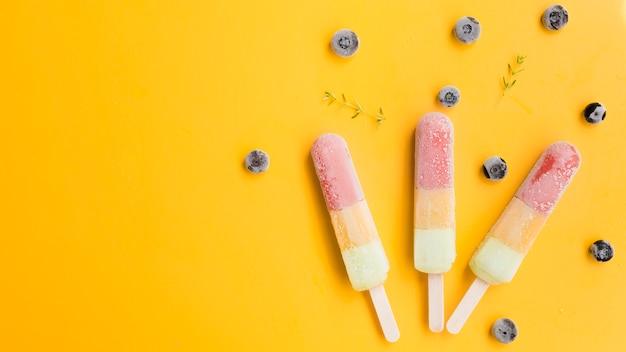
{"x":501,"y":252}
{"x":434,"y":222}
{"x":361,"y":248}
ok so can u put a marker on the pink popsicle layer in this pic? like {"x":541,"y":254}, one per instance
{"x":434,"y":167}
{"x":335,"y":171}
{"x":547,"y":180}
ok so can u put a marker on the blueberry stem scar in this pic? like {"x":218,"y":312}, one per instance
{"x":504,"y":330}
{"x":257,"y":161}
{"x":345,"y":43}
{"x":331,"y":97}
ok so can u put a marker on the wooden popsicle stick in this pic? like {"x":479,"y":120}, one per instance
{"x":462,"y":312}
{"x":385,"y":315}
{"x":435,"y":302}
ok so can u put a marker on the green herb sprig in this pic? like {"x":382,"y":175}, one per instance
{"x":513,"y":71}
{"x":331,"y":97}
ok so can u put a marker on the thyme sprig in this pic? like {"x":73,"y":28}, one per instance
{"x":513,"y":71}
{"x":331,"y":97}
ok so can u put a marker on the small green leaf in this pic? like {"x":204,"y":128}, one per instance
{"x":512,"y":84}
{"x":344,"y":97}
{"x":330,"y":97}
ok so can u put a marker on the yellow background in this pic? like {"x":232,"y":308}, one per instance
{"x":129,"y":223}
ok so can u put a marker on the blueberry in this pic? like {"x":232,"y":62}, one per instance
{"x":449,"y":96}
{"x":495,"y":168}
{"x":602,"y":250}
{"x":467,"y":30}
{"x":257,"y":161}
{"x":595,"y":113}
{"x":504,"y":330}
{"x":555,"y":17}
{"x":345,"y":43}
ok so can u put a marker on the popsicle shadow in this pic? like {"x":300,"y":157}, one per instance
{"x":410,"y":201}
{"x":421,"y":278}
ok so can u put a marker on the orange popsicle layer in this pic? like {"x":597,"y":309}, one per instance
{"x":434,"y":208}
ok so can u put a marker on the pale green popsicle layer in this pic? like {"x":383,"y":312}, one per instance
{"x":495,"y":262}
{"x":367,"y":265}
{"x":434,"y":250}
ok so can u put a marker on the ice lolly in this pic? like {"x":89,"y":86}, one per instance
{"x":501,"y":252}
{"x":361,"y":248}
{"x":434,"y":222}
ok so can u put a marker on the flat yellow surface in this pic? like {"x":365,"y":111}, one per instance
{"x":129,"y":223}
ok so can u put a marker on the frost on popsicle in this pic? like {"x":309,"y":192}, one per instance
{"x":338,"y":179}
{"x":500,"y":254}
{"x":435,"y":169}
{"x":361,"y":248}
{"x":434,"y":217}
{"x":551,"y":175}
